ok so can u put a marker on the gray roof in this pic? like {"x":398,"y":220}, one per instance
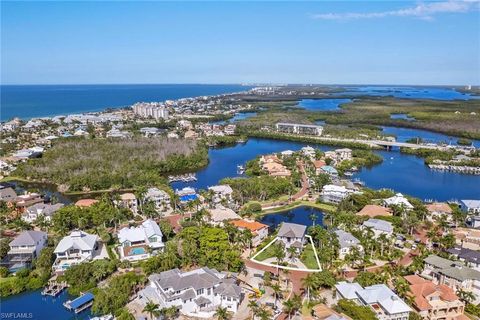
{"x":292,"y":230}
{"x":378,"y":224}
{"x":452,"y":269}
{"x":202,"y":300}
{"x":346,"y":239}
{"x":471,"y":203}
{"x":28,"y":238}
{"x":45,"y":208}
{"x":469,"y":255}
{"x":228,"y":288}
{"x":7,"y":194}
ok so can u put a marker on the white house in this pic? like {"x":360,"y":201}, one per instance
{"x":221,"y":193}
{"x":398,"y":200}
{"x":23,"y":249}
{"x":308,"y":151}
{"x":334,"y":194}
{"x":292,"y":235}
{"x":136,"y":243}
{"x":470,"y":206}
{"x":197,"y":293}
{"x":32,"y":213}
{"x":379,"y":227}
{"x":75,"y":248}
{"x":343,"y":154}
{"x":382,"y":300}
{"x":128,"y":201}
{"x":347,"y":242}
{"x":160,"y":198}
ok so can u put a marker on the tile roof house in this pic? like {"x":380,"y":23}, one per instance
{"x":373,"y":210}
{"x":322,"y":312}
{"x":23,"y":249}
{"x":85,"y":203}
{"x":197,"y":293}
{"x":128,"y":201}
{"x":292,"y":235}
{"x":383,"y":301}
{"x":434,"y":301}
{"x":75,"y":248}
{"x":7,"y":194}
{"x":437,"y":210}
{"x":40,"y":209}
{"x":259,"y":230}
{"x":379,"y":227}
{"x":453,"y":274}
{"x":137,"y":242}
{"x":347,"y":241}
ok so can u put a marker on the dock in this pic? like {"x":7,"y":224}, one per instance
{"x":54,"y":288}
{"x":189,"y":177}
{"x":81,"y":303}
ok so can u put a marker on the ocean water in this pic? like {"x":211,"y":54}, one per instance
{"x":30,"y":101}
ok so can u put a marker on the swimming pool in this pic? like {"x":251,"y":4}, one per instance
{"x":137,"y":251}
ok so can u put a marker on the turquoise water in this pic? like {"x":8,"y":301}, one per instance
{"x":31,"y":101}
{"x":136,"y":251}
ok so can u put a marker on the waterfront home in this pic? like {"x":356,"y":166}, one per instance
{"x":343,"y":154}
{"x":453,"y":274}
{"x":308,"y":151}
{"x":398,"y":200}
{"x":287,"y":153}
{"x":470,"y":257}
{"x":46,"y":210}
{"x":473,"y":221}
{"x":159,"y":197}
{"x":434,"y":301}
{"x":470,"y":206}
{"x":292,"y":235}
{"x":467,"y":238}
{"x":85,"y":203}
{"x":196,"y":293}
{"x":221,"y":194}
{"x":382,"y":300}
{"x":439,"y":210}
{"x":373,"y":210}
{"x":331,"y":171}
{"x":26,"y":200}
{"x":138,"y":243}
{"x":128,"y":201}
{"x":379,"y":227}
{"x":23,"y":249}
{"x":347,"y":242}
{"x":274,"y":166}
{"x":229,"y":129}
{"x":334,"y":194}
{"x":8,"y":195}
{"x":318,"y":164}
{"x":75,"y":248}
{"x":220,"y":214}
{"x":259,"y":230}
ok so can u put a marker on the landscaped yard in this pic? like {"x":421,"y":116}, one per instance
{"x":268,"y":253}
{"x":308,"y":257}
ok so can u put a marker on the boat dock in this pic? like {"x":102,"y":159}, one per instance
{"x":189,"y":177}
{"x":54,"y":288}
{"x":81,"y":303}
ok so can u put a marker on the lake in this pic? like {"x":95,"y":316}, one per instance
{"x":401,"y":116}
{"x":322,"y":104}
{"x":300,"y":215}
{"x":29,"y":101}
{"x":404,"y":173}
{"x":41,"y":307}
{"x":237,"y":117}
{"x":407,"y":92}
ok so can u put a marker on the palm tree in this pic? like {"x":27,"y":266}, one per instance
{"x":190,"y":205}
{"x":309,"y":282}
{"x":292,"y":305}
{"x":222,"y":313}
{"x":465,"y":296}
{"x":253,"y":305}
{"x":277,"y":291}
{"x":292,"y":252}
{"x":264,"y":314}
{"x":313,"y":218}
{"x":152,"y":309}
{"x":279,"y":254}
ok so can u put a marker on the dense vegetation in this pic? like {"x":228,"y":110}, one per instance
{"x":98,"y":164}
{"x":85,"y":276}
{"x":259,"y":188}
{"x":360,"y":158}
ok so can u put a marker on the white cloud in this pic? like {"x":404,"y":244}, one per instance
{"x":425,"y":11}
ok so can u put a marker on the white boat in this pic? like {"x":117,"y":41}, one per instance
{"x":240,"y":169}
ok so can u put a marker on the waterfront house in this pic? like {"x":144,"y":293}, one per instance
{"x":347,"y":242}
{"x":274,"y":166}
{"x":222,"y":194}
{"x":373,"y":210}
{"x":331,"y":171}
{"x":75,"y":248}
{"x":196,"y":293}
{"x":470,"y":257}
{"x":318,"y":164}
{"x":85,"y":203}
{"x":343,"y":154}
{"x":382,"y":300}
{"x":46,"y":210}
{"x":308,"y":152}
{"x":186,"y":194}
{"x":292,"y":235}
{"x":26,"y":200}
{"x":467,"y":238}
{"x":259,"y":230}
{"x":159,"y":197}
{"x":220,"y":214}
{"x":470,"y":206}
{"x":23,"y":249}
{"x":138,"y":243}
{"x":128,"y":201}
{"x":8,"y":195}
{"x":334,"y":194}
{"x":454,"y":274}
{"x":434,"y":301}
{"x":398,"y":200}
{"x":379,"y":227}
{"x":439,"y":210}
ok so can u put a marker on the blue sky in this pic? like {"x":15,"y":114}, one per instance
{"x":348,"y":42}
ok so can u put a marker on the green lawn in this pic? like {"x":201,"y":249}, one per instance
{"x":308,"y":257}
{"x":268,"y":253}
